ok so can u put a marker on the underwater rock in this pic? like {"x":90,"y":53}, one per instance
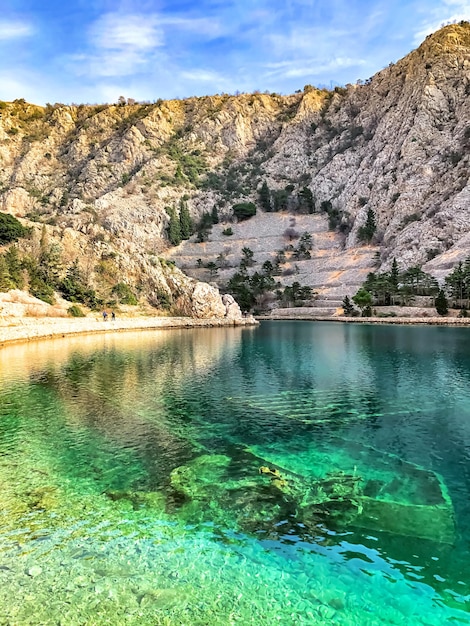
{"x":261,"y":496}
{"x":202,"y":478}
{"x":223,"y":490}
{"x":139,"y":499}
{"x":374,"y":490}
{"x":218,"y":488}
{"x":44,"y":498}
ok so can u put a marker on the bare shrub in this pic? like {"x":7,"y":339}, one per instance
{"x":291,"y":234}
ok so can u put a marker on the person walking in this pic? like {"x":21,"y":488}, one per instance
{"x":105,"y":316}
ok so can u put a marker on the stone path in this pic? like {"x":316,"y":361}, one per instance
{"x":27,"y":329}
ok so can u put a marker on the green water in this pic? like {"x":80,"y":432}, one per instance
{"x":130,"y":491}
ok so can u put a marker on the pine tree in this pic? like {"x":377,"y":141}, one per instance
{"x":456,"y":283}
{"x":173,"y":229}
{"x":394,"y":275}
{"x":441,"y":303}
{"x":50,"y":264}
{"x":306,"y":200}
{"x":366,"y":232}
{"x":215,"y":215}
{"x":186,"y":223}
{"x":265,"y":197}
{"x":15,"y":267}
{"x":5,"y":279}
{"x":348,"y":306}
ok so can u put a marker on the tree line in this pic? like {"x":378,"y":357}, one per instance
{"x":401,"y":287}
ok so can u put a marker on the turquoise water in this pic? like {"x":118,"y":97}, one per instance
{"x":130,"y":490}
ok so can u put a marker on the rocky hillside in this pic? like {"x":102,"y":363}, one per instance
{"x":101,"y":178}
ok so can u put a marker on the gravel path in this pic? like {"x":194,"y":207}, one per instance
{"x":28,"y":329}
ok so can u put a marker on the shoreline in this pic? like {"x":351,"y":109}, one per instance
{"x":25,"y":329}
{"x":404,"y":321}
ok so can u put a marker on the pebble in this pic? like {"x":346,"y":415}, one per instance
{"x":326,"y":612}
{"x":35,"y":570}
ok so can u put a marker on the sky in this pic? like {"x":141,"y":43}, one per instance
{"x":93,"y":51}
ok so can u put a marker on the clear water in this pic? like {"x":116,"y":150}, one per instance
{"x":130,"y":492}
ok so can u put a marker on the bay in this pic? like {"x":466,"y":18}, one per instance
{"x":131,"y":491}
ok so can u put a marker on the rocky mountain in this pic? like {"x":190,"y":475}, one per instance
{"x":102,"y":180}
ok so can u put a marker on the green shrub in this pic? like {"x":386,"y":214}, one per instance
{"x":244,"y":210}
{"x":408,"y":219}
{"x":227,"y":231}
{"x":11,"y":229}
{"x":125,"y":294}
{"x":74,"y":288}
{"x":75,"y":311}
{"x":40,"y":289}
{"x":161,"y":299}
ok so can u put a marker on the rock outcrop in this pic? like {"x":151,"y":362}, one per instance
{"x":101,"y":178}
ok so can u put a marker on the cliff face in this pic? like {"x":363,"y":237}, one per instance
{"x":101,"y":177}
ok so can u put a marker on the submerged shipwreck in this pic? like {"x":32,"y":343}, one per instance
{"x":338,"y":484}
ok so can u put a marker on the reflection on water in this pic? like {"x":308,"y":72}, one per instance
{"x":131,"y":491}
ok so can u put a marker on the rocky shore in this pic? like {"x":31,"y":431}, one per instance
{"x":28,"y":329}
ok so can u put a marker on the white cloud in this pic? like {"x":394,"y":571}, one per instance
{"x":123,"y":32}
{"x":202,"y":26}
{"x":446,"y":11}
{"x":14,"y":30}
{"x":119,"y":45}
{"x":301,"y":41}
{"x":309,"y":67}
{"x":108,"y":63}
{"x":202,"y":75}
{"x":125,"y":44}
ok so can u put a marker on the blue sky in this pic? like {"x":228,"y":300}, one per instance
{"x":96,"y":50}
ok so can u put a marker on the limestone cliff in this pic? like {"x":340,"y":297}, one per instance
{"x":102,"y":177}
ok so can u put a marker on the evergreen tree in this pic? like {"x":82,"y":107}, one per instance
{"x":244,"y":210}
{"x":50,"y":264}
{"x":348,"y":306}
{"x":268,"y":268}
{"x":215,"y":215}
{"x":173,"y":229}
{"x":11,"y":229}
{"x":15,"y":266}
{"x":186,"y":223}
{"x":212,"y":267}
{"x":457,"y":284}
{"x":281,"y":198}
{"x":419,"y":281}
{"x":239,"y":286}
{"x":6,"y":282}
{"x":366,"y":232}
{"x":204,"y":227}
{"x":306,"y":201}
{"x":394,"y":275}
{"x":247,"y":258}
{"x":441,"y":303}
{"x":265,"y":197}
{"x":326,"y":206}
{"x":466,"y":275}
